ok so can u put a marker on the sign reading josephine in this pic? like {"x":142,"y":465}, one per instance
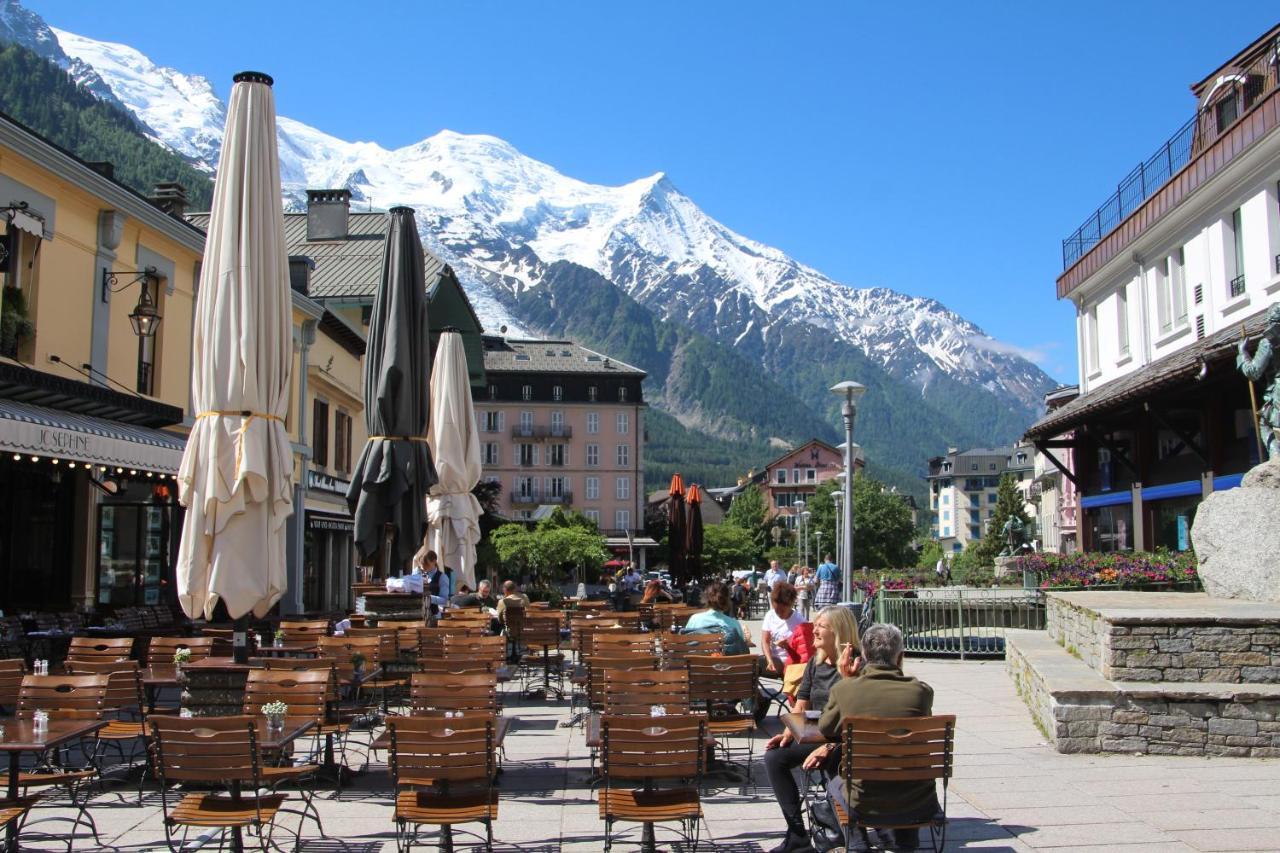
{"x":63,"y":441}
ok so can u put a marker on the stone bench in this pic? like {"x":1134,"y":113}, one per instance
{"x":1078,"y":710}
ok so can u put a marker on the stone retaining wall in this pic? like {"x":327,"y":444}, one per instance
{"x":1177,"y":651}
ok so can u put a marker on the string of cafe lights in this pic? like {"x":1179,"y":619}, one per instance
{"x":102,"y":469}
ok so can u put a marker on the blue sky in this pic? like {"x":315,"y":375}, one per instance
{"x":939,"y":149}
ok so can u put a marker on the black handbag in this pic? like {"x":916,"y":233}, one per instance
{"x":825,"y":832}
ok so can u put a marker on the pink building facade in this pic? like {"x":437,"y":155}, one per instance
{"x":797,"y":474}
{"x":562,"y":425}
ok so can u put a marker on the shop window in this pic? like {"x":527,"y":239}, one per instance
{"x":320,"y":433}
{"x":1110,"y":526}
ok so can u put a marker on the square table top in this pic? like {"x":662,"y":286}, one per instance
{"x":20,"y":734}
{"x":804,"y":730}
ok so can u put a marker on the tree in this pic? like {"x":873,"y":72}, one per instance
{"x":930,"y":553}
{"x":882,"y":529}
{"x":748,"y":512}
{"x":1009,"y":504}
{"x":544,"y":552}
{"x":726,"y":548}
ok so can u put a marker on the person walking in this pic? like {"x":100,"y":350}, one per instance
{"x":828,"y":583}
{"x":804,"y":590}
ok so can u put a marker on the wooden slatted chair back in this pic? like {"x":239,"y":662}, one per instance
{"x":592,"y":606}
{"x":897,"y":749}
{"x":639,"y":691}
{"x":446,"y":666}
{"x":426,"y":750}
{"x":161,"y":649}
{"x":542,"y":629}
{"x":303,"y":630}
{"x":341,"y":650}
{"x":646,"y":614}
{"x":124,"y":682}
{"x":11,"y":672}
{"x":306,"y":692}
{"x":614,"y":643}
{"x":431,"y":641}
{"x":629,"y":621}
{"x":387,"y":649}
{"x":66,"y":697}
{"x":597,"y":665}
{"x":448,"y":692}
{"x":677,"y":648}
{"x":513,"y":619}
{"x":206,"y":749}
{"x":461,"y":647}
{"x":644,"y":747}
{"x":406,"y":634}
{"x":722,"y":680}
{"x":94,"y":648}
{"x":583,"y":628}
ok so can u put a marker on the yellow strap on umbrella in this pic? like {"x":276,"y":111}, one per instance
{"x":248,"y":418}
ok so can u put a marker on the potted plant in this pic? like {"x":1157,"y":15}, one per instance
{"x":181,"y":656}
{"x":279,"y":638}
{"x":275,"y":713}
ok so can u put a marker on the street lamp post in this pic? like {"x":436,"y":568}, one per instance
{"x":817,"y":549}
{"x":799,"y":516}
{"x":851,"y":392}
{"x":804,"y":525}
{"x":838,"y":497}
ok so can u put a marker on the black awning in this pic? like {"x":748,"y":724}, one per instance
{"x":70,"y":395}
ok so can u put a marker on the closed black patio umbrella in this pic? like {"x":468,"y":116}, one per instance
{"x":389,"y":486}
{"x":676,"y":531}
{"x":693,"y":536}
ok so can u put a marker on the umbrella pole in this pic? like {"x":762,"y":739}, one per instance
{"x":388,"y":536}
{"x":240,"y":639}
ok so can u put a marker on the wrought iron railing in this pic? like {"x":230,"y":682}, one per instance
{"x":960,"y":621}
{"x":1237,"y":286}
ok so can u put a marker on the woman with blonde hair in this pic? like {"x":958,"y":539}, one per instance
{"x":835,"y":632}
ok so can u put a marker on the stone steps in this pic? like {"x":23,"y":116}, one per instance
{"x":1078,"y":710}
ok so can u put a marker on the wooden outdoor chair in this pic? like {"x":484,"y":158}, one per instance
{"x":895,"y":749}
{"x":95,"y":649}
{"x":541,"y":634}
{"x":652,"y":773}
{"x":629,"y":692}
{"x":726,"y":689}
{"x":303,"y":630}
{"x":308,"y":693}
{"x":466,"y":647}
{"x":393,"y":678}
{"x":599,"y":665}
{"x":65,"y":697}
{"x":160,"y":650}
{"x":218,"y":751}
{"x":444,"y":772}
{"x":449,"y":692}
{"x":125,"y":707}
{"x":12,"y":671}
{"x":676,"y":648}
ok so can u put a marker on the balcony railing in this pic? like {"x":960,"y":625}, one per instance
{"x":541,"y":432}
{"x":540,"y":496}
{"x":1252,"y":85}
{"x":1237,"y":286}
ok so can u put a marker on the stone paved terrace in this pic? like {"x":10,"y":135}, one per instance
{"x":1011,"y":792}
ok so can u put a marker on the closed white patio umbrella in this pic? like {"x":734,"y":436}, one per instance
{"x":453,"y":513}
{"x":237,"y":470}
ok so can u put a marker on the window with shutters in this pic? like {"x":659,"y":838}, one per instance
{"x":528,"y":454}
{"x":593,"y":455}
{"x":490,"y":453}
{"x":624,"y":455}
{"x":624,"y":423}
{"x":593,"y":488}
{"x":320,"y":432}
{"x":622,"y":488}
{"x":593,"y":423}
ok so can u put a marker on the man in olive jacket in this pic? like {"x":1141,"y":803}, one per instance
{"x":879,"y":689}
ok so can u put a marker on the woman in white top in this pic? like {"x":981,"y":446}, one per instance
{"x":804,"y":589}
{"x":778,"y":624}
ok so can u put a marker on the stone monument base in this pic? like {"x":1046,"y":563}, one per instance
{"x":1162,"y":673}
{"x":1236,"y":536}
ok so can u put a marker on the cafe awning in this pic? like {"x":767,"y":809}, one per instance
{"x":34,"y":430}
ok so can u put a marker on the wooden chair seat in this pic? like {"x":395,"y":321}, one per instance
{"x":37,"y":779}
{"x":211,"y":810}
{"x":14,"y":810}
{"x":656,"y":806}
{"x":429,"y":807}
{"x":122,"y":730}
{"x":734,"y":724}
{"x":272,"y":776}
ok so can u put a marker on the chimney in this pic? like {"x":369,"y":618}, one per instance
{"x":300,"y":267}
{"x":102,"y":167}
{"x":327,"y":212}
{"x":171,"y":198}
{"x":952,"y":451}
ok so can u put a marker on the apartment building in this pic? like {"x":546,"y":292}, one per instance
{"x":1166,"y":276}
{"x":962,"y":490}
{"x":795,"y":476}
{"x":562,"y":425}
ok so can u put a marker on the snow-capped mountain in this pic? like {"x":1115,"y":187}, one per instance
{"x":502,"y":218}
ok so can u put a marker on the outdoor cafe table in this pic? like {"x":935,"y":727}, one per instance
{"x":20,"y":736}
{"x":157,"y":678}
{"x":803,"y":728}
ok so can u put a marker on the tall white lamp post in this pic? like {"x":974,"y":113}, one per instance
{"x":804,"y":526}
{"x":851,"y":392}
{"x":817,"y":549}
{"x":799,"y":516}
{"x":838,"y":497}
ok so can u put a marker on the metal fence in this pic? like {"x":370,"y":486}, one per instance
{"x":958,"y":621}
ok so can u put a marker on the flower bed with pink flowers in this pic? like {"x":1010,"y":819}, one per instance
{"x":1120,"y":570}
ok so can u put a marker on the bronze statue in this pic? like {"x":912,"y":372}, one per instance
{"x":1262,"y":365}
{"x":1015,"y":537}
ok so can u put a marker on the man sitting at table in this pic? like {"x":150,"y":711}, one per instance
{"x":511,"y":597}
{"x":879,"y":689}
{"x":484,"y":591}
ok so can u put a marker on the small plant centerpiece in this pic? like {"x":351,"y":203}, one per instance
{"x":275,"y":713}
{"x":181,"y":656}
{"x":279,"y":638}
